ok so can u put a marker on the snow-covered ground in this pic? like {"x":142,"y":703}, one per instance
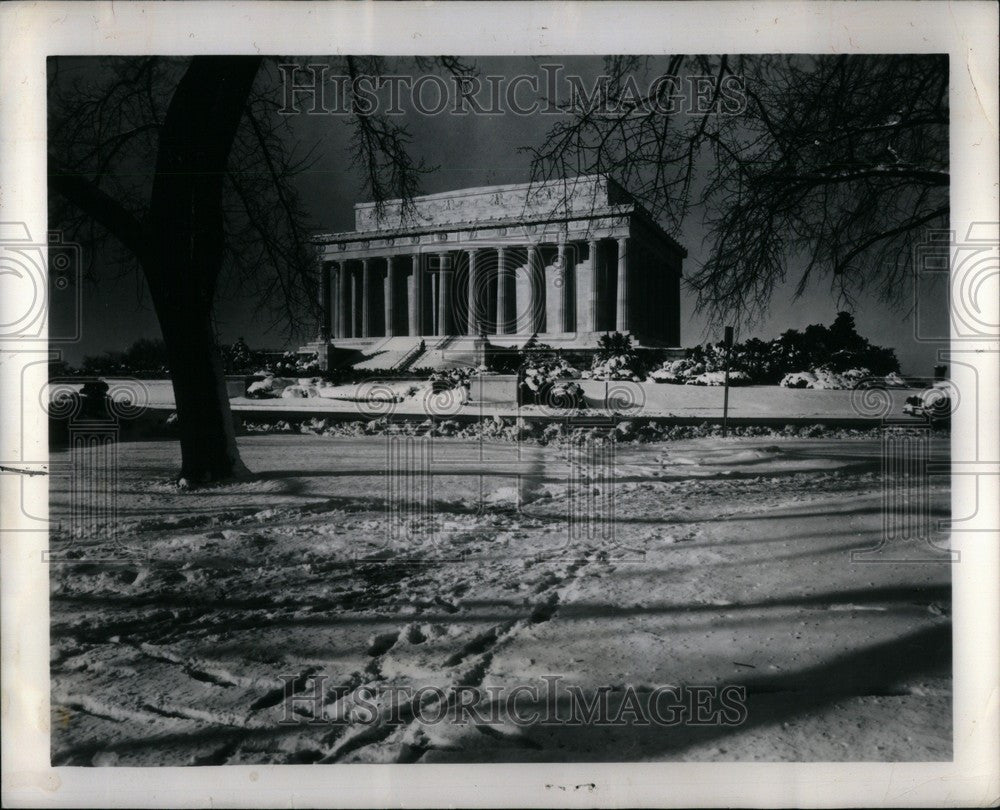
{"x":627,"y":399}
{"x":729,"y":564}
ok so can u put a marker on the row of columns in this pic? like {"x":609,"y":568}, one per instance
{"x":548,"y":303}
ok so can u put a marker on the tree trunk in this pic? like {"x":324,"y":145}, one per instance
{"x":180,"y":245}
{"x":208,"y":438}
{"x":185,"y":226}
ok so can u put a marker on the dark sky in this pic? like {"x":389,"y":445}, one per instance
{"x":477,"y":150}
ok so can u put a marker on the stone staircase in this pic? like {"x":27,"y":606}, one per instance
{"x":448,"y":352}
{"x":389,"y":353}
{"x":408,"y":359}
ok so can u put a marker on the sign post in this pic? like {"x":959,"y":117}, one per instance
{"x":725,"y":401}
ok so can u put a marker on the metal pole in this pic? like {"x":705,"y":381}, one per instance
{"x":725,"y":400}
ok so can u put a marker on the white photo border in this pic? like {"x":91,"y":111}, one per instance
{"x":29,"y":32}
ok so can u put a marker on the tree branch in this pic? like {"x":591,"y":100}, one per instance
{"x":102,"y":207}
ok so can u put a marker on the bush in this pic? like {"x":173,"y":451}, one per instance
{"x":614,"y":345}
{"x":825,"y":378}
{"x":547,"y":379}
{"x":503,"y":360}
{"x":291,"y":364}
{"x":449,"y":378}
{"x":91,"y":401}
{"x":239,"y":359}
{"x":616,"y":359}
{"x":836,"y":354}
{"x":933,"y":404}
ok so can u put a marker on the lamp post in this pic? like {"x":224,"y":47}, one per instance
{"x":728,"y":342}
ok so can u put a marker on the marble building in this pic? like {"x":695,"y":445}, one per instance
{"x":566,"y":260}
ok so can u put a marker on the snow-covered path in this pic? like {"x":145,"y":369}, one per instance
{"x":699,"y":563}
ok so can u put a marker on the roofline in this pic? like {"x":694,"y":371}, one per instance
{"x":330,"y":237}
{"x":469,"y":190}
{"x":634,"y":207}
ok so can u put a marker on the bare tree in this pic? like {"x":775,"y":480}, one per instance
{"x":835,"y":165}
{"x":218,"y":196}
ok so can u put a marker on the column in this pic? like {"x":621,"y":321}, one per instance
{"x":502,"y":325}
{"x":472,"y":320}
{"x":561,"y":292}
{"x":324,"y":301}
{"x":592,"y":301}
{"x":346,"y":321}
{"x":622,"y":309}
{"x":366,"y":278}
{"x":536,"y":314}
{"x":355,"y":322}
{"x":387,"y":297}
{"x":335,"y":300}
{"x":444,"y":295}
{"x":435,"y":287}
{"x":414,"y":293}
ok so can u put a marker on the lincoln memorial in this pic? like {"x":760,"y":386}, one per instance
{"x":566,"y":260}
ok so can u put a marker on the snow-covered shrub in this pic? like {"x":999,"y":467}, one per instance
{"x":619,"y":367}
{"x":448,"y":378}
{"x":856,"y":375}
{"x":565,"y":394}
{"x":238,"y":358}
{"x":549,"y":380}
{"x":934,"y":403}
{"x":719,"y":378}
{"x":269,"y":387}
{"x":825,"y":379}
{"x":291,"y":364}
{"x":675,"y":371}
{"x":837,"y":354}
{"x":616,"y":360}
{"x":262,"y":389}
{"x":832,"y":381}
{"x":540,"y":371}
{"x":299,"y":392}
{"x":798,"y":379}
{"x":700,"y":367}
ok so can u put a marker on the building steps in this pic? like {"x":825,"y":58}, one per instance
{"x":387,"y":353}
